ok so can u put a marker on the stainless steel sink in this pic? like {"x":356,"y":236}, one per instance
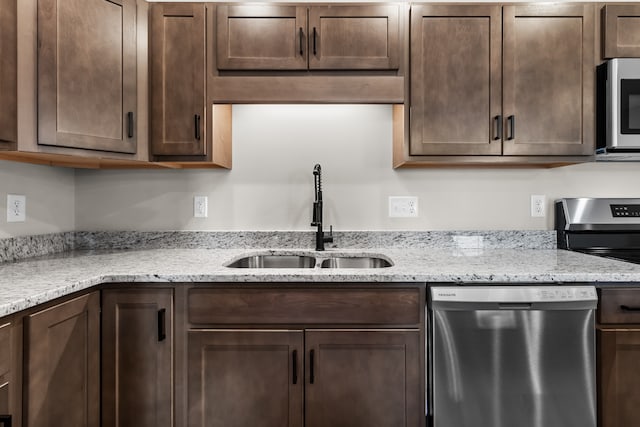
{"x":355,"y":262}
{"x":274,"y":261}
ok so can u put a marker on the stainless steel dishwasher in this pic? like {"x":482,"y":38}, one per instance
{"x":512,"y":356}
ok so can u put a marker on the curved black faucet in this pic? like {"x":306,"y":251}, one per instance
{"x":321,"y":239}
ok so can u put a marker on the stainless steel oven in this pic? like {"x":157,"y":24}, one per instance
{"x":619,"y":106}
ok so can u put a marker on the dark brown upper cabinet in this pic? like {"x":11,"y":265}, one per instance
{"x":353,"y":37}
{"x":177,"y":74}
{"x":274,"y":37}
{"x":257,"y":37}
{"x":87,"y":74}
{"x":621,"y":31}
{"x":549,"y":79}
{"x":186,"y":128}
{"x":456,"y":77}
{"x":515,"y":80}
{"x":8,"y":74}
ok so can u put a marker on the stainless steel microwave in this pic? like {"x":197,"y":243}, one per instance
{"x":618,"y":107}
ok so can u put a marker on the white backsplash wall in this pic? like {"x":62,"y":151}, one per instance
{"x":271,"y":185}
{"x":50,"y":196}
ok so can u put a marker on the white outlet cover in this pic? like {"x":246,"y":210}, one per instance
{"x":538,"y":206}
{"x":16,"y":208}
{"x":200,"y":206}
{"x":403,"y":207}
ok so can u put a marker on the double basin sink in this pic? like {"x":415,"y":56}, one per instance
{"x":310,"y":261}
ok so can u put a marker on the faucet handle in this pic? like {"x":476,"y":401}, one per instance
{"x":329,"y":238}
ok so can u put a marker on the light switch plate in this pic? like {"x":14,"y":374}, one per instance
{"x":16,"y":208}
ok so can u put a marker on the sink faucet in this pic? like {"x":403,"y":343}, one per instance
{"x":321,"y":239}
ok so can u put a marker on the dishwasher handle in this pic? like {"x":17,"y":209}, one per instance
{"x":515,"y":305}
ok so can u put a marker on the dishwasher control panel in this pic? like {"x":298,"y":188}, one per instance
{"x":513,"y":293}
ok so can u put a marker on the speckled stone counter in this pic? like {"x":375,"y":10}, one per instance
{"x":26,"y":283}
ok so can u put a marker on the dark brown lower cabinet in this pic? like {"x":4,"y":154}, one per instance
{"x":62,"y":364}
{"x":362,"y":378}
{"x":137,"y":362}
{"x":354,"y":378}
{"x":6,"y":375}
{"x":619,"y":377}
{"x":241,"y":378}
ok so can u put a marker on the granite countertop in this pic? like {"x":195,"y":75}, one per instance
{"x":33,"y":281}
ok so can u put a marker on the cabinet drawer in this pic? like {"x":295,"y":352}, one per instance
{"x":356,"y":306}
{"x":619,"y":306}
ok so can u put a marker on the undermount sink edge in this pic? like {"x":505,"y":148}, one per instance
{"x":274,"y":261}
{"x":311,"y":260}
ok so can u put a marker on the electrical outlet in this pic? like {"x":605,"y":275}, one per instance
{"x":16,"y":208}
{"x":200,"y":207}
{"x":403,"y":207}
{"x":538,"y":206}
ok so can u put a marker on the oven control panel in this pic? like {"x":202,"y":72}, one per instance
{"x":621,"y":211}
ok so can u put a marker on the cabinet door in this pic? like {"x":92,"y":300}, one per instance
{"x":262,"y":37}
{"x":63,"y":364}
{"x":8,"y":72}
{"x":354,"y":37}
{"x":621,"y":32}
{"x":137,"y":367}
{"x":6,"y":379}
{"x":177,"y":37}
{"x":245,"y":378}
{"x":363,"y":379}
{"x":455,"y":80}
{"x":619,"y":376}
{"x":548,"y":80}
{"x":87,"y":74}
